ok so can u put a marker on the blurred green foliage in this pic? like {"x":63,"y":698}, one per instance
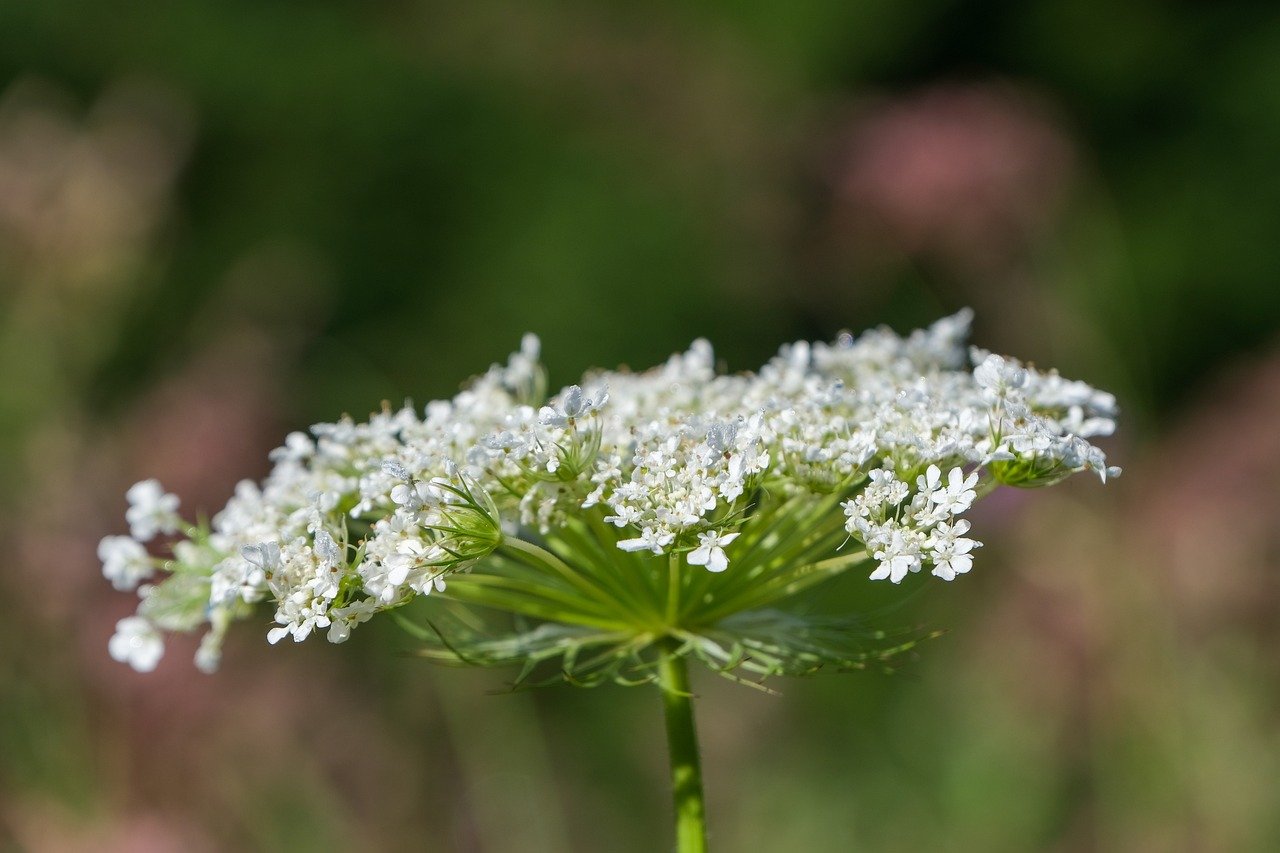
{"x":465,"y":173}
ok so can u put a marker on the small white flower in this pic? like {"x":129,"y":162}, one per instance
{"x":951,"y":555}
{"x":625,"y":515}
{"x":125,"y":561}
{"x":409,"y":555}
{"x":650,"y":540}
{"x":929,"y":482}
{"x":885,"y":488}
{"x":137,"y":643}
{"x":151,"y":510}
{"x":999,"y":377}
{"x":396,"y":469}
{"x":900,"y":555}
{"x":574,"y":404}
{"x":344,"y":618}
{"x":209,"y":654}
{"x":265,"y":556}
{"x":297,"y":447}
{"x":958,"y":495}
{"x":414,"y":496}
{"x":523,"y":371}
{"x":711,"y":552}
{"x":329,"y":551}
{"x":722,"y":437}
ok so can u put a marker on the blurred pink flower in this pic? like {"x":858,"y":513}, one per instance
{"x":965,"y":172}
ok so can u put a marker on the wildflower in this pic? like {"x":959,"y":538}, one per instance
{"x":899,"y":554}
{"x":265,"y":556}
{"x":648,"y":540}
{"x":137,"y":643}
{"x":298,"y":447}
{"x":953,"y":498}
{"x":414,"y":495}
{"x":573,"y":405}
{"x":950,"y":550}
{"x":345,"y":618}
{"x":710,"y":552}
{"x":125,"y":561}
{"x":722,"y":437}
{"x":151,"y":510}
{"x":998,"y":377}
{"x":209,"y":653}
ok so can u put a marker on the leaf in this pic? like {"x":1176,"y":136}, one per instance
{"x":576,"y":655}
{"x":538,"y":601}
{"x":775,"y":642}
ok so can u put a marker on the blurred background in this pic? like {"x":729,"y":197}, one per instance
{"x":222,"y":220}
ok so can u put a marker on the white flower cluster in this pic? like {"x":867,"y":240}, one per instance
{"x":360,"y":517}
{"x":904,"y":535}
{"x":678,"y":475}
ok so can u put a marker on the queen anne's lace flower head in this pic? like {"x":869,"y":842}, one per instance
{"x":874,"y":446}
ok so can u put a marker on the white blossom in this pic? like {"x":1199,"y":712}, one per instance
{"x":956,"y":496}
{"x":345,"y":618}
{"x":298,"y":446}
{"x":710,"y":552}
{"x":137,"y":643}
{"x":950,"y":550}
{"x":265,"y":556}
{"x":573,"y":405}
{"x":648,"y":540}
{"x":151,"y":510}
{"x":899,"y":554}
{"x":999,"y":377}
{"x":125,"y":562}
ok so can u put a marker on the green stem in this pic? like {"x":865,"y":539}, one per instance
{"x":682,"y":742}
{"x":673,"y":589}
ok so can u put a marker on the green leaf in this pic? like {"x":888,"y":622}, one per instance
{"x":539,"y":601}
{"x":574,"y":654}
{"x":774,"y":643}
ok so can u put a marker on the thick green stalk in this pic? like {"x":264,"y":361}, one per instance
{"x":682,"y":742}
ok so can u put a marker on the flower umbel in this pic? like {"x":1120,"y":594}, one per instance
{"x":627,"y":524}
{"x":629,"y":508}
